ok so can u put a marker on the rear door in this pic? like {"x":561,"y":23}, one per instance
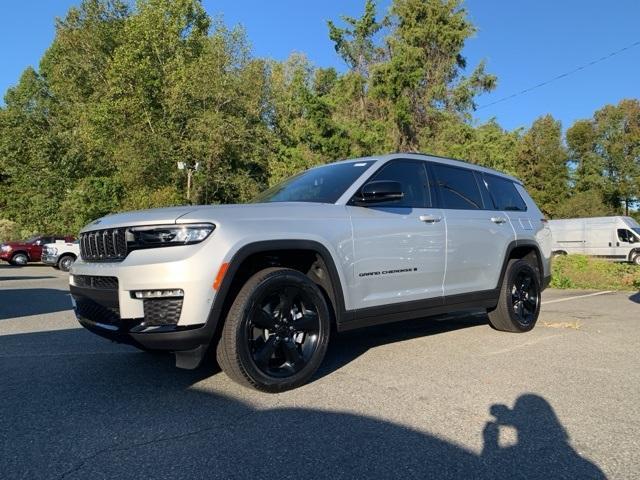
{"x":477,"y":237}
{"x":399,"y":246}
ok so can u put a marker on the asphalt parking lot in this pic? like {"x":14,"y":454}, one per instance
{"x":434,"y":398}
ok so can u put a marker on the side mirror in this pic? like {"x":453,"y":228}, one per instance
{"x":380,"y":191}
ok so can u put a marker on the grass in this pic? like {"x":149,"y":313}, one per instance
{"x":579,"y":271}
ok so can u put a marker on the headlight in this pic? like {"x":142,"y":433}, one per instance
{"x":5,"y":248}
{"x":167,"y":235}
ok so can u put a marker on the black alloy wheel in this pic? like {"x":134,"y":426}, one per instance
{"x":276,"y":332}
{"x":525,"y":297}
{"x":282,"y":331}
{"x":519,"y":300}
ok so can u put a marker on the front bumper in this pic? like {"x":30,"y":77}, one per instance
{"x":97,"y":309}
{"x":49,"y":259}
{"x":6,"y":256}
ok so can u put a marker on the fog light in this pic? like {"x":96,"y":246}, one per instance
{"x":158,"y":293}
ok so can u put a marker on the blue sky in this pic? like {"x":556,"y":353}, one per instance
{"x":523,"y":42}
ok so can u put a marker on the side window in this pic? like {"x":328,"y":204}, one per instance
{"x":625,"y":236}
{"x":412,"y":175}
{"x":457,"y":187}
{"x":504,"y":194}
{"x":46,"y":240}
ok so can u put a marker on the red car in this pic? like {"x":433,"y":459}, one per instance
{"x":20,"y":253}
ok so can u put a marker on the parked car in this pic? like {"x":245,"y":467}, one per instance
{"x":350,"y":244}
{"x":22,"y":252}
{"x":612,"y":238}
{"x":61,"y":255}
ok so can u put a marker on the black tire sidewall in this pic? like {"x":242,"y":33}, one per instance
{"x":514,"y":270}
{"x":273,"y":281}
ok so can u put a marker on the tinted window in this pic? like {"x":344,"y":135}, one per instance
{"x":457,"y":187}
{"x":504,"y":194}
{"x":626,"y":236}
{"x":320,"y":185}
{"x":412,"y":176}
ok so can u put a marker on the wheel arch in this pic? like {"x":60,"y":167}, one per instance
{"x":291,"y":253}
{"x":525,"y":250}
{"x":14,"y":253}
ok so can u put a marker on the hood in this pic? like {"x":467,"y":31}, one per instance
{"x":154,"y":216}
{"x":15,"y":244}
{"x":217,"y":214}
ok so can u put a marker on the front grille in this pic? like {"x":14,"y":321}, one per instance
{"x":87,"y":308}
{"x":98,"y":282}
{"x":162,"y":311}
{"x":108,"y":245}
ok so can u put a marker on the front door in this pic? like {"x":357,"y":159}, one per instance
{"x":399,"y":246}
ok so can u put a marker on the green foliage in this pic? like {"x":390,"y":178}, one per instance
{"x":129,"y":89}
{"x":542,"y":164}
{"x":8,"y":230}
{"x":579,"y":271}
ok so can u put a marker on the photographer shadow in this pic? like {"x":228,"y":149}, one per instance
{"x":542,"y":450}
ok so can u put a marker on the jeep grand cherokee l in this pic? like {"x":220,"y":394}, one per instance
{"x":351,"y":244}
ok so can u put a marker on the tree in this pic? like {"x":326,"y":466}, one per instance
{"x":423,"y":80}
{"x":606,"y":151}
{"x":541,"y":159}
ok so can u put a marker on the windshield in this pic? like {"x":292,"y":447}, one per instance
{"x":636,"y":230}
{"x":32,"y":239}
{"x":318,"y":185}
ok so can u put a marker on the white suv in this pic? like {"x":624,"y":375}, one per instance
{"x":351,"y":244}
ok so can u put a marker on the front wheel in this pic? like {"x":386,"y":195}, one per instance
{"x":19,"y":259}
{"x":65,"y":263}
{"x":636,"y":259}
{"x":519,"y":303}
{"x":276,"y":333}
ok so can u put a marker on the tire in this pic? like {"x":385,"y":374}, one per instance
{"x":636,"y":259}
{"x":20,"y":259}
{"x":519,"y":302}
{"x":65,"y":262}
{"x":266,"y":348}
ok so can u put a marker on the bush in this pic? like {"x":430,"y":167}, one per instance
{"x":579,"y":271}
{"x":8,"y":230}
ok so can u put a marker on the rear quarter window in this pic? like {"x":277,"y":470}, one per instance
{"x":504,"y":194}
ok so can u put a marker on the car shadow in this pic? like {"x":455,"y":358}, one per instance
{"x":15,"y":303}
{"x":27,"y":278}
{"x":73,"y":408}
{"x":345,"y":347}
{"x":635,"y":297}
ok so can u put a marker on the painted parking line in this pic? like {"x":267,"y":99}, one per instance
{"x":557,"y":300}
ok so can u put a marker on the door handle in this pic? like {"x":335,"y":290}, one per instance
{"x":430,"y":218}
{"x":498,"y":219}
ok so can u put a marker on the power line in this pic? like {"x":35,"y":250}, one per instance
{"x":562,"y":75}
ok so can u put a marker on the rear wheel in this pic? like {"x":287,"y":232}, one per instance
{"x":276,"y":333}
{"x":65,"y":262}
{"x":19,"y":259}
{"x":519,"y":303}
{"x":636,"y":259}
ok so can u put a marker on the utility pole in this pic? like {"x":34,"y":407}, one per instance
{"x":190,"y":168}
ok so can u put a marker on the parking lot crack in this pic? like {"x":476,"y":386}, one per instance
{"x":128,"y":447}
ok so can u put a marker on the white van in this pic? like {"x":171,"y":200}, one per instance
{"x":613,"y":238}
